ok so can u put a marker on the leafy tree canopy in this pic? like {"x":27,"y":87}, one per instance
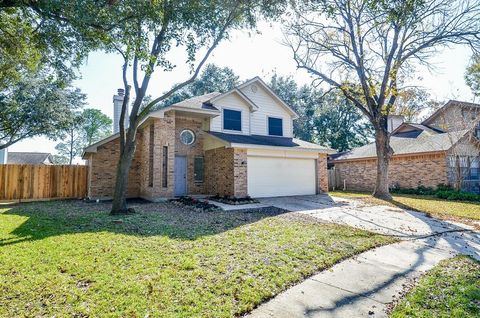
{"x":71,"y":145}
{"x":325,"y":118}
{"x":212,"y":79}
{"x":472,"y":76}
{"x":85,"y":128}
{"x":96,"y":126}
{"x":53,"y":36}
{"x":38,"y":105}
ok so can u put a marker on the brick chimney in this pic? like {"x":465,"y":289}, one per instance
{"x":117,"y":110}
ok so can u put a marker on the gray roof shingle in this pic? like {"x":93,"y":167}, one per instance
{"x":199,"y":102}
{"x":268,"y":141}
{"x":425,"y":142}
{"x":32,"y":158}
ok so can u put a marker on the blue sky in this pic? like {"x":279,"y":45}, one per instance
{"x":248,"y":54}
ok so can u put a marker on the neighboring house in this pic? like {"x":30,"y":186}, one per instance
{"x":238,"y":143}
{"x":29,"y":158}
{"x":443,"y":149}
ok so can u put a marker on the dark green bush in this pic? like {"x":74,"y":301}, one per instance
{"x":420,"y":190}
{"x":443,"y":191}
{"x":458,"y":196}
{"x":444,"y":187}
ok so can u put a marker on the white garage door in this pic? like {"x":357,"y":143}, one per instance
{"x":273,"y":177}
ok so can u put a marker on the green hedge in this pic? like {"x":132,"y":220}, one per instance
{"x":458,"y":196}
{"x":443,"y":191}
{"x":421,"y":190}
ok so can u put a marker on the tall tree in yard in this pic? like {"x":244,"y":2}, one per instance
{"x":367,"y":48}
{"x":145,"y":39}
{"x":85,"y":128}
{"x":95,"y":126}
{"x":71,"y":145}
{"x":321,"y":114}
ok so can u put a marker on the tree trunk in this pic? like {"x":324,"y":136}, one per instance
{"x":384,"y":153}
{"x":119,"y":204}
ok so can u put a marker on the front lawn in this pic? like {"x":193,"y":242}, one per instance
{"x":423,"y":203}
{"x":70,"y":259}
{"x":451,"y":289}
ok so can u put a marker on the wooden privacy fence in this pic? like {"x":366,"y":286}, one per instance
{"x":334,"y":180}
{"x":37,"y":182}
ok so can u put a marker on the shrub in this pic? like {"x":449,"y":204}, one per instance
{"x":421,"y":190}
{"x":444,"y":187}
{"x":458,"y":196}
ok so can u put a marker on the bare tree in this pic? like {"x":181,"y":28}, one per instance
{"x":367,"y":49}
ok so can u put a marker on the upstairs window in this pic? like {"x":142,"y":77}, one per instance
{"x":232,"y":120}
{"x":275,"y":126}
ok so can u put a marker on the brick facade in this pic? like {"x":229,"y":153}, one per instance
{"x":322,"y":173}
{"x":240,"y":186}
{"x":226,"y":172}
{"x":405,"y":171}
{"x":164,"y":136}
{"x":103,"y":170}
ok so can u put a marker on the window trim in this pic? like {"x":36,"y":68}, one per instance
{"x":268,"y":126}
{"x":241,"y":120}
{"x":189,"y":131}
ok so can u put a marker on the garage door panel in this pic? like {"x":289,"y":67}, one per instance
{"x":270,"y":176}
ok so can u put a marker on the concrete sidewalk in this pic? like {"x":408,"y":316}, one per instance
{"x":363,"y":286}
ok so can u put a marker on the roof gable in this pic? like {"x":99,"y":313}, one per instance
{"x":257,"y":80}
{"x":413,"y":130}
{"x":253,"y":107}
{"x":450,"y":103}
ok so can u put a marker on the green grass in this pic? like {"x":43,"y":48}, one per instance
{"x":451,"y":289}
{"x":70,"y":259}
{"x":423,"y":203}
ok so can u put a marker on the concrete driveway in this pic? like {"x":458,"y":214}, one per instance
{"x":364,"y":285}
{"x":381,"y":219}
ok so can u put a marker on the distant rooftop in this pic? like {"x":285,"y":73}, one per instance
{"x":32,"y":158}
{"x":424,"y":142}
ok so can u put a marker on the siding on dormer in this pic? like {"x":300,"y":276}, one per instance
{"x":233,"y":102}
{"x":268,"y":106}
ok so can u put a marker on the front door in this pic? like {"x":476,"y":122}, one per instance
{"x":180,"y":175}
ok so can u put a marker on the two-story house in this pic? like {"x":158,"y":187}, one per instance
{"x":443,"y":149}
{"x":237,"y":143}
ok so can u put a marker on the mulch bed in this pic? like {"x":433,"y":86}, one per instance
{"x":196,"y":204}
{"x":233,"y":200}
